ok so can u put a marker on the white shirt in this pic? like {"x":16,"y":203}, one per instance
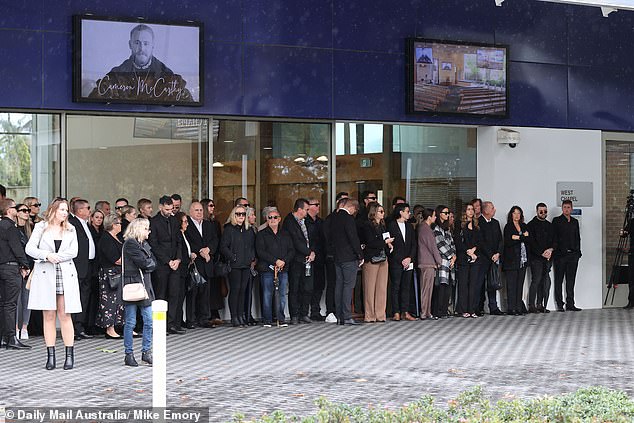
{"x":199,"y":226}
{"x":401,"y":226}
{"x":189,"y":249}
{"x":91,"y":242}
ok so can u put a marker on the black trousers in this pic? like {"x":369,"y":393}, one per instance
{"x":630,"y":284}
{"x":515,"y":288}
{"x":565,"y":266}
{"x":331,"y":280}
{"x":254,"y":283}
{"x":539,"y":290}
{"x":468,"y":288}
{"x":401,"y":281}
{"x":89,"y":298}
{"x":300,"y":290}
{"x":440,"y":300}
{"x":319,"y":284}
{"x":238,"y":281}
{"x":169,"y":286}
{"x":490,"y":292}
{"x":197,"y":303}
{"x":10,"y":286}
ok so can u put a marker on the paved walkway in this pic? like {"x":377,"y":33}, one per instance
{"x":256,"y":370}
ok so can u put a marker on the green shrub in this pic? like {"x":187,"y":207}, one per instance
{"x":594,"y":404}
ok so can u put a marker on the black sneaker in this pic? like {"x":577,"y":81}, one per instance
{"x":130,"y":360}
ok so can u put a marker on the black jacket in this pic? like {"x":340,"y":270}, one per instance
{"x":291,"y":226}
{"x":541,"y":237}
{"x":316,"y":236}
{"x":466,"y":239}
{"x":344,"y":237}
{"x":82,"y":264}
{"x":108,"y":251}
{"x":512,"y":247}
{"x":197,"y":242}
{"x":567,"y":239}
{"x":238,"y":246}
{"x":165,"y":239}
{"x":372,"y":236}
{"x":402,"y":248}
{"x":11,"y":248}
{"x":492,"y":241}
{"x":271,"y":247}
{"x":137,"y":258}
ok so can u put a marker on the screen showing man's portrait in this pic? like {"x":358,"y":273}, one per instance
{"x":137,"y":62}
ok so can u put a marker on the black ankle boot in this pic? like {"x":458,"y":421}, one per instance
{"x":50,"y":360}
{"x":146,"y":357}
{"x":130,"y":360}
{"x":70,"y":358}
{"x":235,"y":322}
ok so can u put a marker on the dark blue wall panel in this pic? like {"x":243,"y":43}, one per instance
{"x":21,"y":68}
{"x":287,"y":81}
{"x":305,"y":23}
{"x":344,"y":59}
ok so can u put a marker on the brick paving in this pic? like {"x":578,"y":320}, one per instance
{"x":256,"y":370}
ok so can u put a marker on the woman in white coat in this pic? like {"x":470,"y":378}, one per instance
{"x":54,"y":286}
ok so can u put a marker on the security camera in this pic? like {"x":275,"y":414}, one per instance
{"x":508,"y":137}
{"x":499,"y":2}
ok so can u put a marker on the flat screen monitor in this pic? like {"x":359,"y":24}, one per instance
{"x":449,"y":77}
{"x":118,"y":60}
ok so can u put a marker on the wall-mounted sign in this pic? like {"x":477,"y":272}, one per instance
{"x":580,"y":193}
{"x":367,"y":162}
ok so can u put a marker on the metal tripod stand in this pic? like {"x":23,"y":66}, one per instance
{"x":621,"y":249}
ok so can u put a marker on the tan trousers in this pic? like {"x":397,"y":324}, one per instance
{"x":375,"y":290}
{"x":427,"y":275}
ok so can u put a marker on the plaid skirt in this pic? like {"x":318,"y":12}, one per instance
{"x":59,"y":280}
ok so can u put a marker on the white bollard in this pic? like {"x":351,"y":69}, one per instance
{"x":159,"y":352}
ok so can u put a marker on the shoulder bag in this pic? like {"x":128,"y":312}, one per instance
{"x":133,"y":291}
{"x":195,"y":278}
{"x":379,"y":258}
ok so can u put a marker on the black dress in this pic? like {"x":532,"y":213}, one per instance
{"x":110,"y":311}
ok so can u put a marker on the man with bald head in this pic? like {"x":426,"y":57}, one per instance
{"x":203,"y":239}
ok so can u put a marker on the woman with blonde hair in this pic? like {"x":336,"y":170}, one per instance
{"x":138,"y":264}
{"x":54,"y":285}
{"x":33,"y":205}
{"x":238,"y":248}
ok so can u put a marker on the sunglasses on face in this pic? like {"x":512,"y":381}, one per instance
{"x":239,"y":214}
{"x":36,"y":205}
{"x":119,"y":207}
{"x":371,"y":198}
{"x":24,"y":210}
{"x":444,"y":212}
{"x":314,"y":204}
{"x":273,"y":217}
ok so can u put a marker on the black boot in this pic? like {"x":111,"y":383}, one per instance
{"x":130,"y":360}
{"x":70,"y":358}
{"x":235,"y":322}
{"x":146,"y":356}
{"x":50,"y":360}
{"x":13,"y":343}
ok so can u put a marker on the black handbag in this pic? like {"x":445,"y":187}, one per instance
{"x":195,"y":278}
{"x":493,"y":278}
{"x":379,"y":258}
{"x":221,"y":267}
{"x":113,"y":277}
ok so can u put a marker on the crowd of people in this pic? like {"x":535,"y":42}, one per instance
{"x":87,"y":267}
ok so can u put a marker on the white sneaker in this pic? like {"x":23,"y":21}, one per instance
{"x":331,"y":318}
{"x":24,"y":334}
{"x":283,"y":325}
{"x":266,"y":325}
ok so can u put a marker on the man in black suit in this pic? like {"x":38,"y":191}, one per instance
{"x":314,"y":223}
{"x":13,"y":267}
{"x":85,"y":264}
{"x":329,"y":250}
{"x":367,"y":197}
{"x":348,"y":257}
{"x":540,"y":243}
{"x":300,"y":273}
{"x":165,"y":240}
{"x":203,"y":239}
{"x":492,"y":244}
{"x":567,"y":252}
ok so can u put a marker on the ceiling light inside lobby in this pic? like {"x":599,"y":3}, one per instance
{"x":217,"y":164}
